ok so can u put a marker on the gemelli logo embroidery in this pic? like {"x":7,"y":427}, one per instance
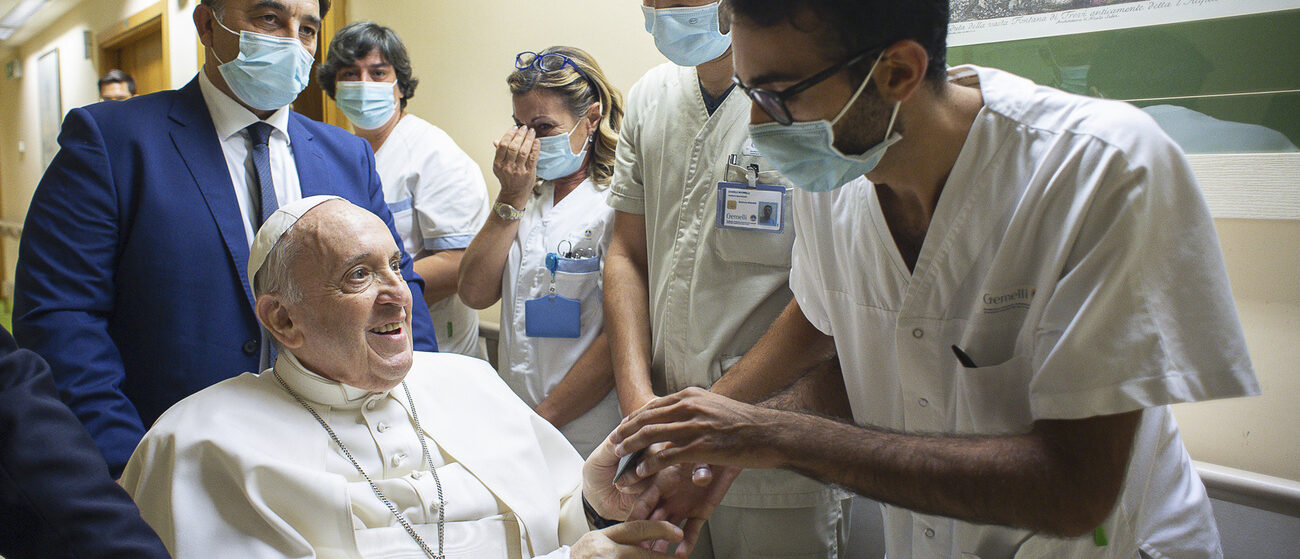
{"x":1012,"y":299}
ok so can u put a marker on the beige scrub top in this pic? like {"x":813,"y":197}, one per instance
{"x":713,"y":292}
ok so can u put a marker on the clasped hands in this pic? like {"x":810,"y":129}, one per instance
{"x":696,"y":444}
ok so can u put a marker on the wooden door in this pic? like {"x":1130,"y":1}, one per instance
{"x":138,"y":46}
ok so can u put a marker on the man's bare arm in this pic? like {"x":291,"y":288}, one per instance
{"x":1061,"y":478}
{"x":791,"y":346}
{"x":627,"y":310}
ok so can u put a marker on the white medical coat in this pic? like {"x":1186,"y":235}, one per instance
{"x":439,"y":202}
{"x":240,"y":469}
{"x":1072,"y":257}
{"x":532,"y":366}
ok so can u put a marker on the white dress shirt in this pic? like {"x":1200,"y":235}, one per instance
{"x":231,"y":119}
{"x":1072,"y":258}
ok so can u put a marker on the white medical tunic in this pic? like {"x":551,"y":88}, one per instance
{"x":241,"y":469}
{"x":713,"y":291}
{"x":439,"y":202}
{"x":1072,"y":257}
{"x":533,"y":366}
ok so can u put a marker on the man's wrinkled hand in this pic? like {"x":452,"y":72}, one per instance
{"x":674,"y":497}
{"x":625,"y":541}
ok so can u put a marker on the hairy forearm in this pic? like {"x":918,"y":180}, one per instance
{"x":439,"y":271}
{"x":585,"y":385}
{"x":819,"y":391}
{"x":1061,"y":478}
{"x":627,"y":311}
{"x":791,"y":346}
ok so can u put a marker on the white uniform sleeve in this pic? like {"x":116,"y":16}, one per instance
{"x":450,"y":197}
{"x":627,"y":189}
{"x":1142,"y":314}
{"x":805,"y":269}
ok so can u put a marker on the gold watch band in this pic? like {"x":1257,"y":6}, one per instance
{"x":506,"y":211}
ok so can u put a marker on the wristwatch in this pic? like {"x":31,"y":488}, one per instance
{"x":506,"y":211}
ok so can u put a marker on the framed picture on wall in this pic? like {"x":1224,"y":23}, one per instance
{"x":51,"y":104}
{"x":986,"y":21}
{"x":1230,"y":102}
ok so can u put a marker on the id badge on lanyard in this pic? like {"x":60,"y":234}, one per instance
{"x":752,"y":206}
{"x":552,"y":316}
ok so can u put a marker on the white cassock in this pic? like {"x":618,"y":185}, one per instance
{"x":241,"y":469}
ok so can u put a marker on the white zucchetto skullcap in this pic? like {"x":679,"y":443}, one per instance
{"x":274,"y":228}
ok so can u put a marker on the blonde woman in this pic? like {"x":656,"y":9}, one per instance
{"x":541,"y":251}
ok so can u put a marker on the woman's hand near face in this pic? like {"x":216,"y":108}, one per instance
{"x":515,"y":165}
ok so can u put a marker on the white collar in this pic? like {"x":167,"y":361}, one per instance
{"x":230,"y":118}
{"x":319,"y":390}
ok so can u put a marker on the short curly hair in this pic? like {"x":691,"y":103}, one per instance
{"x":356,"y":41}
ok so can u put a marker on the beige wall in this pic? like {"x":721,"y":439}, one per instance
{"x":19,"y":172}
{"x":462,"y":51}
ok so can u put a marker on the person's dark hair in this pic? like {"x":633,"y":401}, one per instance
{"x":355,"y":42}
{"x":218,"y":5}
{"x":846,"y":28}
{"x":118,"y":76}
{"x":579,"y":92}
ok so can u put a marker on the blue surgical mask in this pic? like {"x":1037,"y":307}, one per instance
{"x":269,"y":72}
{"x":367,"y":104}
{"x":805,"y":152}
{"x":687,"y":36}
{"x":556,"y":158}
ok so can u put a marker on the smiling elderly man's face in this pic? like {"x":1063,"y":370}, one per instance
{"x":354,"y":314}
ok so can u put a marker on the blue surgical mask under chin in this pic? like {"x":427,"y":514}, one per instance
{"x":557,"y":159}
{"x":687,"y":36}
{"x":368,"y":105}
{"x":269,"y":72}
{"x":805,"y":152}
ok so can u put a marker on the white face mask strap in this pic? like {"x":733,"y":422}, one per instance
{"x":228,"y":30}
{"x":892,"y":117}
{"x":861,"y":88}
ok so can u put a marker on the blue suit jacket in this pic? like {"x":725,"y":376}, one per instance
{"x":56,"y":499}
{"x":131,"y":276}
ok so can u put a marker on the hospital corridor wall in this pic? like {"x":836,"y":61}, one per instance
{"x":462,"y":50}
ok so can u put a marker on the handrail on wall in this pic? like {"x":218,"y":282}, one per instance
{"x":11,"y":229}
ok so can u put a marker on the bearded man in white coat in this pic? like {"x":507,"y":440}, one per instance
{"x":354,"y":446}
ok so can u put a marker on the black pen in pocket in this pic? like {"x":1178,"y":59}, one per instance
{"x":964,"y":359}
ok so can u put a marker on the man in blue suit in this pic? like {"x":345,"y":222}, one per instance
{"x":131,"y":273}
{"x":56,"y":499}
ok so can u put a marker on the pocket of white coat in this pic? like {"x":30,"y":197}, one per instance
{"x":758,"y":247}
{"x":994,"y":399}
{"x":575,"y":278}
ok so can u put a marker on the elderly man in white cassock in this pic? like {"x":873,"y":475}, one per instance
{"x":353,"y":446}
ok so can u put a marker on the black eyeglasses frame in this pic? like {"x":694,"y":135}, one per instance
{"x":773,"y":102}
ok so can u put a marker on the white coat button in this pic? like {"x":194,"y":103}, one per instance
{"x":398,"y":459}
{"x":929,"y":532}
{"x":918,"y":333}
{"x":381,"y":427}
{"x":372,"y":403}
{"x":922,"y":402}
{"x":417,"y":474}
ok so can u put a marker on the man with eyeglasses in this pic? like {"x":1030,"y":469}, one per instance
{"x":691,"y":281}
{"x":1016,"y":282}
